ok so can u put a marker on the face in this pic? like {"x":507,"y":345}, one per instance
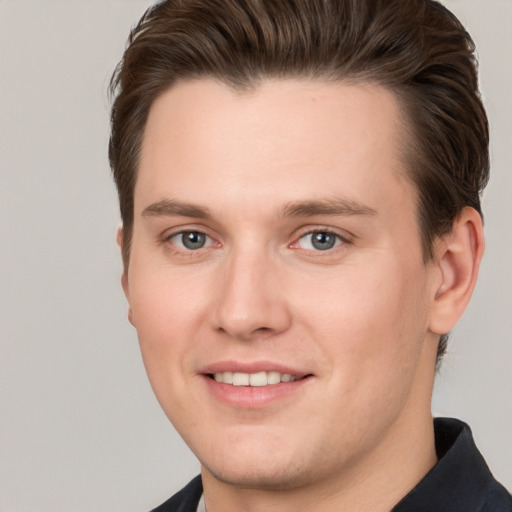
{"x":276,"y":278}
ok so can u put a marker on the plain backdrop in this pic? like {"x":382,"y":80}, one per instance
{"x":80,"y":430}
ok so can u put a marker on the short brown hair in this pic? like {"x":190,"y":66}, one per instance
{"x":415,"y":48}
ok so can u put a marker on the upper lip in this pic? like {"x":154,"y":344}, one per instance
{"x":251,"y":367}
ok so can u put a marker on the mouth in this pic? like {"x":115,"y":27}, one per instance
{"x":254,"y":385}
{"x":258,"y":379}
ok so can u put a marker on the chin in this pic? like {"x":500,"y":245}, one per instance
{"x":262,"y":478}
{"x":261,"y":468}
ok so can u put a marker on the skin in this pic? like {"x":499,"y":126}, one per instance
{"x":257,"y":172}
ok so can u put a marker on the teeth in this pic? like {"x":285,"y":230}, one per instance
{"x":273,"y":378}
{"x":253,"y":379}
{"x":227,"y":377}
{"x":240,"y":379}
{"x":258,"y":379}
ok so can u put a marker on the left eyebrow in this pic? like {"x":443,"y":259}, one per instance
{"x":335,"y":206}
{"x":170,"y":207}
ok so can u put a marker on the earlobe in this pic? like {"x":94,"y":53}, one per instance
{"x":458,"y":258}
{"x":124,"y":276}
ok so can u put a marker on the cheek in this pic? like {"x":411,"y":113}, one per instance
{"x":164,"y":304}
{"x":165,"y":329}
{"x":163,"y":315}
{"x":371,"y":318}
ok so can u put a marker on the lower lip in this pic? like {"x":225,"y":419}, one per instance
{"x":253,"y":397}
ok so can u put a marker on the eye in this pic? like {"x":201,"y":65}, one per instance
{"x":319,"y":241}
{"x":190,"y":240}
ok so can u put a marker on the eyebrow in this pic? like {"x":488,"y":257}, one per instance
{"x":334,"y":206}
{"x":170,"y":207}
{"x":330,"y":206}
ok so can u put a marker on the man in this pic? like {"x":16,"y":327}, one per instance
{"x":299,"y":185}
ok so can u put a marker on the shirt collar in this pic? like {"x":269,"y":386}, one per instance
{"x":459,"y":479}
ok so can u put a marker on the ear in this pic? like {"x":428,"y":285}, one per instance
{"x":124,"y":275}
{"x":457,"y":259}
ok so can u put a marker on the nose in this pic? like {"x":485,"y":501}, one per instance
{"x":251,"y":301}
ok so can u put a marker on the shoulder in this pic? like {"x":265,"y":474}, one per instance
{"x":475,"y":478}
{"x":185,"y":500}
{"x":496,"y":499}
{"x":460,"y":481}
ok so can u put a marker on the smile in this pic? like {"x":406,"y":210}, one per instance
{"x":249,"y":386}
{"x":258,"y":379}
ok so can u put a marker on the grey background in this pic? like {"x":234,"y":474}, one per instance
{"x":80,"y":430}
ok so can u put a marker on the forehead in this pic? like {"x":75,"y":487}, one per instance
{"x":280,"y":138}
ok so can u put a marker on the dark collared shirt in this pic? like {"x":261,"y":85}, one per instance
{"x":459,"y":482}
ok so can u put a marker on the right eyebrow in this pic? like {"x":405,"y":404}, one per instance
{"x":335,"y":206}
{"x":170,"y":207}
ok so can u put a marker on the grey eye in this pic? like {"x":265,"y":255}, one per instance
{"x":323,"y":241}
{"x":190,"y":240}
{"x":319,"y":241}
{"x":193,"y":240}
